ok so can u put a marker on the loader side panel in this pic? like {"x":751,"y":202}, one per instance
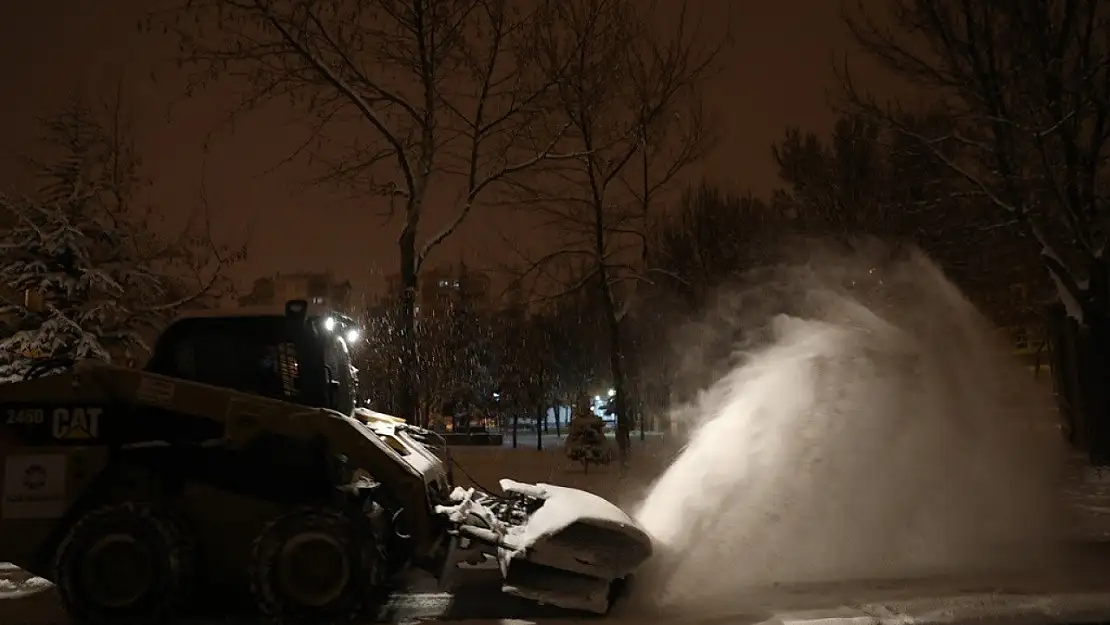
{"x":273,"y":468}
{"x":41,"y":487}
{"x":67,"y":424}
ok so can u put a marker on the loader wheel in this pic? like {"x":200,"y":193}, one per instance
{"x":317,"y":565}
{"x":124,"y":565}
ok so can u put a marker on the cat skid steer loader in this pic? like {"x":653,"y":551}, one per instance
{"x":238,"y":458}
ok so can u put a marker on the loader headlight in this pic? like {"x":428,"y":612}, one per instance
{"x":352,"y":336}
{"x":329,"y":324}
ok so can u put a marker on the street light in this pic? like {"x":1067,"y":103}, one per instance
{"x":612,"y":392}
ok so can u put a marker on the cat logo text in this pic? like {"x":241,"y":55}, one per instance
{"x":76,"y":423}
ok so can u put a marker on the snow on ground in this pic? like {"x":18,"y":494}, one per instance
{"x":15,"y":587}
{"x":484,"y":467}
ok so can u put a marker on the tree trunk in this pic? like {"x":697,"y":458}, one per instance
{"x":616,"y":367}
{"x":1096,"y":373}
{"x":667,"y":422}
{"x":1063,"y":354}
{"x":556,"y":409}
{"x":1094,"y":376}
{"x":516,"y":424}
{"x":540,"y":413}
{"x":1081,"y":371}
{"x":410,"y":361}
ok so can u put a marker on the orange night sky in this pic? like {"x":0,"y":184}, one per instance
{"x":776,"y":75}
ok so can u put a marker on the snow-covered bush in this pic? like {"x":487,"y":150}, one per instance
{"x":586,"y":442}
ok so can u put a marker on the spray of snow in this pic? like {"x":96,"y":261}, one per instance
{"x":877,"y":431}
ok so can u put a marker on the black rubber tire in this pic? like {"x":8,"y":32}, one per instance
{"x":171,"y":566}
{"x":363,"y":568}
{"x":189,"y":557}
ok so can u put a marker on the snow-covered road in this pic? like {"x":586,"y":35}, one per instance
{"x":1078,"y":592}
{"x":492,"y":607}
{"x":1075,"y":591}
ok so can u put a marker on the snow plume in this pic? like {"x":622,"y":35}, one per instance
{"x":876,"y":431}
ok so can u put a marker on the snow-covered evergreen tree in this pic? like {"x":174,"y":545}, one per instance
{"x":82,"y":274}
{"x":71,"y":290}
{"x":586,"y":442}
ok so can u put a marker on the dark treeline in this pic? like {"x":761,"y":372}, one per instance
{"x":863,"y":181}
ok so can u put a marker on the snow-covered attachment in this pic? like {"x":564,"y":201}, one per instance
{"x":560,"y":546}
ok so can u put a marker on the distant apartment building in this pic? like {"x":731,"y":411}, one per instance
{"x":440,"y":285}
{"x":315,"y":287}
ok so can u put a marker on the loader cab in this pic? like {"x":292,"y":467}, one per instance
{"x":297,"y":353}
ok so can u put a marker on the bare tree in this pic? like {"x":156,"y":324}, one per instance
{"x":870,"y":180}
{"x":528,"y":368}
{"x":400,"y":96}
{"x":548,"y":354}
{"x":836,"y":183}
{"x":458,"y":351}
{"x":88,"y":147}
{"x":629,"y":106}
{"x":456,"y":340}
{"x":708,"y":243}
{"x":516,"y":358}
{"x":1026,"y":87}
{"x":713,"y":237}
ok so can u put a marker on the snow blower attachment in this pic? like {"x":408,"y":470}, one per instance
{"x":555,"y":545}
{"x":237,"y":462}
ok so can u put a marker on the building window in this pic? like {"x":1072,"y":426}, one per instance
{"x":317,"y":300}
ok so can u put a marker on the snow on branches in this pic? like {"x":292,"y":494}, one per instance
{"x":70,"y":288}
{"x":82,"y":273}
